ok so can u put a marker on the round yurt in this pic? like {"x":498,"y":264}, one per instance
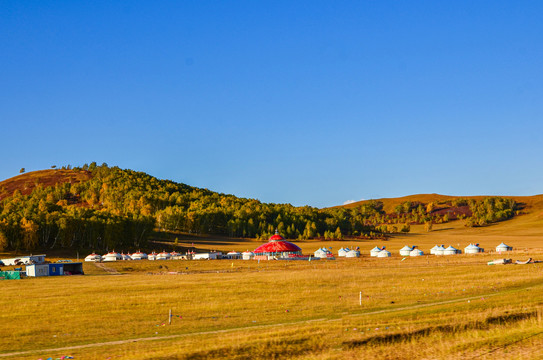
{"x":440,"y":250}
{"x":321,"y":253}
{"x":125,"y":256}
{"x":93,"y":257}
{"x":406,"y":250}
{"x":163,"y":256}
{"x":112,"y":256}
{"x":175,"y":255}
{"x":502,"y":247}
{"x":247,"y":255}
{"x":451,"y":251}
{"x":416,"y":252}
{"x":473,"y":249}
{"x":276,"y":247}
{"x":152,"y":256}
{"x":375,"y":251}
{"x":343,"y":252}
{"x":352,"y":253}
{"x":233,"y":255}
{"x":138,"y":255}
{"x":384,"y":253}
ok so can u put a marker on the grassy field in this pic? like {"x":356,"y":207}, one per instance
{"x":428,"y":307}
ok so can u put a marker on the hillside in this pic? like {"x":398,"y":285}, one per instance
{"x":101,"y":207}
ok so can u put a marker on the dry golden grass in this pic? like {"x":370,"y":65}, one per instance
{"x":428,"y":307}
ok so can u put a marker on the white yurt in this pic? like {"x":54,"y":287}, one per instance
{"x":163,"y":256}
{"x":322,"y":253}
{"x":125,"y":256}
{"x":433,"y":250}
{"x":233,"y":255}
{"x":175,"y":255}
{"x":93,"y":257}
{"x":384,"y":253}
{"x":416,"y":252}
{"x":112,"y":256}
{"x":247,"y":255}
{"x":375,"y":251}
{"x":451,"y":251}
{"x":138,"y":255}
{"x":343,"y":252}
{"x":440,"y":250}
{"x":406,"y":250}
{"x":473,"y":249}
{"x":152,"y":256}
{"x":502,"y":247}
{"x":353,"y":253}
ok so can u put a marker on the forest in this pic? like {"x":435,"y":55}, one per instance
{"x":120,"y":209}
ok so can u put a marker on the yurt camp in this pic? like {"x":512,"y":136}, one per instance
{"x":93,"y":257}
{"x":277,"y":248}
{"x":324,"y":253}
{"x":375,"y":251}
{"x":384,"y":253}
{"x":502,"y":247}
{"x":406,"y":250}
{"x":473,"y":249}
{"x":152,"y":256}
{"x":416,"y":252}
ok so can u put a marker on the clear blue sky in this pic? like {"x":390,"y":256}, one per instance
{"x":305,"y":102}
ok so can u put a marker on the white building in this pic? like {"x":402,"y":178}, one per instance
{"x":343,"y":252}
{"x":384,"y":253}
{"x":375,"y":251}
{"x":440,"y":250}
{"x":406,"y":250}
{"x":138,"y":255}
{"x":93,"y":257}
{"x":247,"y":255}
{"x":24,"y":260}
{"x":416,"y":252}
{"x":37,"y":270}
{"x":163,"y":256}
{"x":473,"y":249}
{"x":451,"y":251}
{"x":233,"y":255}
{"x":353,"y":253}
{"x":502,"y":248}
{"x":112,"y":256}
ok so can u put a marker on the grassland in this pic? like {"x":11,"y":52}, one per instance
{"x":428,"y":307}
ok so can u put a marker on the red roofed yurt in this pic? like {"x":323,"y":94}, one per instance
{"x":277,"y":247}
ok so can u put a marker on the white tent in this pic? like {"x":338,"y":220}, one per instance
{"x":175,"y":255}
{"x":163,"y":256}
{"x":375,"y":251}
{"x":440,"y":250}
{"x":502,"y":247}
{"x":138,"y":255}
{"x":93,"y":257}
{"x":125,"y":256}
{"x":433,"y":250}
{"x":247,"y":255}
{"x":152,"y":256}
{"x":322,"y":253}
{"x":406,"y":250}
{"x":416,"y":252}
{"x":451,"y":251}
{"x":384,"y":253}
{"x":343,"y":252}
{"x":112,"y":256}
{"x":352,"y":253}
{"x":473,"y":249}
{"x":233,"y":255}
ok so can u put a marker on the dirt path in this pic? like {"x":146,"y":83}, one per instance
{"x":107,"y":269}
{"x":323,"y":320}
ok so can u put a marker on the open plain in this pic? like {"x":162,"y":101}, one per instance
{"x":397,"y":308}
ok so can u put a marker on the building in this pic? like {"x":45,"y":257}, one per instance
{"x":406,"y":250}
{"x":375,"y":251}
{"x":277,"y":247}
{"x":502,"y":247}
{"x":24,"y":260}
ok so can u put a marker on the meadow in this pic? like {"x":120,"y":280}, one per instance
{"x":393,"y":308}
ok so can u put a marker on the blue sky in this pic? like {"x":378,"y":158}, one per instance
{"x":305,"y":102}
